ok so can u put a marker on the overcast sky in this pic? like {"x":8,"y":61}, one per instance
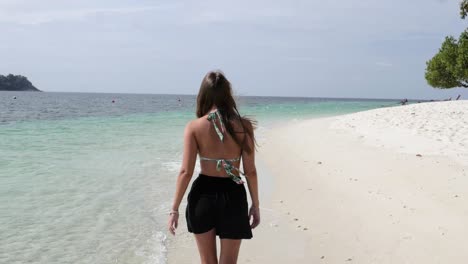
{"x":332,"y":48}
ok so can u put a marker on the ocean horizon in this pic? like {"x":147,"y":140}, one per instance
{"x":194,"y":94}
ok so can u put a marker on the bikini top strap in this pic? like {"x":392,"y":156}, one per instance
{"x":212,"y":117}
{"x":226,"y":164}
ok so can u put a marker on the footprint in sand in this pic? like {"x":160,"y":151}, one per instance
{"x":407,"y":237}
{"x":443,"y":230}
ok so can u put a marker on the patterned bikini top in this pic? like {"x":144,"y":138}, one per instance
{"x":226,"y":164}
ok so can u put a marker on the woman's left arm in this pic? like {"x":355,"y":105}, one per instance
{"x":185,"y":174}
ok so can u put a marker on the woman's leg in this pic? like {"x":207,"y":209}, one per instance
{"x":206,"y":243}
{"x":229,"y":251}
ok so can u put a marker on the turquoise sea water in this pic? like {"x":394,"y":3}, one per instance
{"x":87,"y":180}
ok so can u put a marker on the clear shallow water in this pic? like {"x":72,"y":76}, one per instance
{"x":85,"y":180}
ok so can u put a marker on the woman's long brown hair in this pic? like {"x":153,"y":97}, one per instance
{"x":215,"y":90}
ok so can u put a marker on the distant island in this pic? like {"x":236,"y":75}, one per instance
{"x":16,"y":83}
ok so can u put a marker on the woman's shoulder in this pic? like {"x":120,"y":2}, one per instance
{"x":195,"y":123}
{"x":249,"y":124}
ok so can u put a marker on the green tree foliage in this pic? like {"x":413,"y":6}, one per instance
{"x":16,"y":83}
{"x":464,"y":9}
{"x":449,"y":67}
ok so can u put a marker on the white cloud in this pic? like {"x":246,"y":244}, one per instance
{"x":241,"y":14}
{"x":41,"y":17}
{"x":383,"y":64}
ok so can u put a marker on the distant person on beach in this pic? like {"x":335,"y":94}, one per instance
{"x":217,"y":202}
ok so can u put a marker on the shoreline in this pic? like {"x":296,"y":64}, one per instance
{"x":342,"y":194}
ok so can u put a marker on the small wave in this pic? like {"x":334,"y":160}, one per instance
{"x":150,"y":163}
{"x":155,"y":250}
{"x":172,"y":166}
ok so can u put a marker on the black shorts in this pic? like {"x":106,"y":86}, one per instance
{"x":219,"y":203}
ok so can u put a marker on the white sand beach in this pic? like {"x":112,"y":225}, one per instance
{"x":380,"y":186}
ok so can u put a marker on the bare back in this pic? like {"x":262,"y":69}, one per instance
{"x":210,"y":146}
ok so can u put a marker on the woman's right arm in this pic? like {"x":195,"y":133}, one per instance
{"x":250,"y":171}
